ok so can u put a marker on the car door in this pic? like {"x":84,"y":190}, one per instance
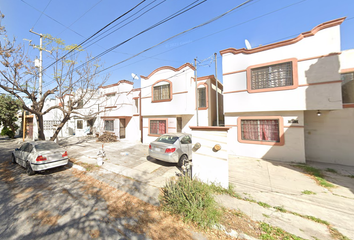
{"x":21,"y":153}
{"x":27,"y":152}
{"x":186,"y":146}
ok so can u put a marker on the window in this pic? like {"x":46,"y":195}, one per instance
{"x":157,"y":127}
{"x":50,"y":124}
{"x":277,"y":75}
{"x":347,"y":87}
{"x":267,"y":130}
{"x":162,"y":91}
{"x":109,"y":125}
{"x":202,"y":97}
{"x":79,"y":124}
{"x":80,"y":104}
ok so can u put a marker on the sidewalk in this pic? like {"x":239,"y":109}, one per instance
{"x":282,"y":185}
{"x":273,"y":183}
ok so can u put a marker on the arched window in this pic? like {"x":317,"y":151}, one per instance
{"x":162,"y":91}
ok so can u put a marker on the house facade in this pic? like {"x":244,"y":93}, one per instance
{"x":292,"y":100}
{"x":120,"y":110}
{"x":168,"y":101}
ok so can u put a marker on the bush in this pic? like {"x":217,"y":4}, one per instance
{"x":191,"y":199}
{"x":7,"y":132}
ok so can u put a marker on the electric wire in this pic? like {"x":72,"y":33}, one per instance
{"x":179,"y":12}
{"x":41,"y":14}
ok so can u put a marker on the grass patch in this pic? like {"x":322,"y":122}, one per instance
{"x":266,"y":215}
{"x":280,"y":209}
{"x":263,"y":204}
{"x":87,"y":166}
{"x":220,"y":190}
{"x":318,"y":220}
{"x":307,"y":192}
{"x":270,"y":233}
{"x":331,"y":170}
{"x":191,"y":199}
{"x":317,"y":174}
{"x":351,"y":176}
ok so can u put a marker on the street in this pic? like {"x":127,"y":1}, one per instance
{"x":66,"y":203}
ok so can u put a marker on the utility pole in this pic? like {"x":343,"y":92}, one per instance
{"x":40,"y":59}
{"x":217,"y":95}
{"x":196,"y":89}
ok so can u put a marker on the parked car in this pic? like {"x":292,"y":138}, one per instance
{"x":40,"y":155}
{"x":172,"y":147}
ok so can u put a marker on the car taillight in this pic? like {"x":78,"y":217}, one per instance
{"x":65,"y":154}
{"x":170,"y":150}
{"x":150,"y":146}
{"x":41,"y":158}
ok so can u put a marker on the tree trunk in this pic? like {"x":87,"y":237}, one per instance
{"x":41,"y":135}
{"x":13,"y":130}
{"x":65,"y":119}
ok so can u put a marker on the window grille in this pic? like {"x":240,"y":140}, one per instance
{"x":260,"y":130}
{"x":162,"y":92}
{"x":49,"y":124}
{"x":109,"y":125}
{"x":202,"y":97}
{"x":347,"y":87}
{"x":157,"y":127}
{"x":278,"y":75}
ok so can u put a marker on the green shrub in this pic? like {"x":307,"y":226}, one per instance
{"x":191,"y":199}
{"x":7,"y":132}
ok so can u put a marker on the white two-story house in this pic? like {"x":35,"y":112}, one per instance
{"x":292,"y":100}
{"x":119,"y":110}
{"x":169,"y":104}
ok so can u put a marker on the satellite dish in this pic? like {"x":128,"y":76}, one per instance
{"x":248,"y":45}
{"x":135,"y":77}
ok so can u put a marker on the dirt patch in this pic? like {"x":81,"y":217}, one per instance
{"x":5,"y":173}
{"x":154,"y":222}
{"x":46,"y":218}
{"x":24,"y":193}
{"x":94,"y":233}
{"x":150,"y":220}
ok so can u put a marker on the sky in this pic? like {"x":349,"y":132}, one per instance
{"x":261,"y":22}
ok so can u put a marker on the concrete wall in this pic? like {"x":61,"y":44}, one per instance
{"x":330,"y":137}
{"x":211,"y":166}
{"x":293,"y":149}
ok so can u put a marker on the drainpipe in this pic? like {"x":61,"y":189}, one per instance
{"x":140,"y":118}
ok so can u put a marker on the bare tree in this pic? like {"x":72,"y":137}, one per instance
{"x":19,"y":77}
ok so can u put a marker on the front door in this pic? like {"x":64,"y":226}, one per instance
{"x":122,"y":128}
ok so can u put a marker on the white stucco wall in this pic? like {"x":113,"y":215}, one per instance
{"x":293,"y":149}
{"x":330,"y":137}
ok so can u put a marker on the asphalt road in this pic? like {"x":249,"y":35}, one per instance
{"x":52,"y":205}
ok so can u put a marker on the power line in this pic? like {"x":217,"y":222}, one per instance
{"x":41,"y":14}
{"x":188,"y":30}
{"x":179,"y":12}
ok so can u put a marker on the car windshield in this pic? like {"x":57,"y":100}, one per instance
{"x":167,"y":139}
{"x":47,"y":146}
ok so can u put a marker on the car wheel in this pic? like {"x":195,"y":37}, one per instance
{"x":13,"y":159}
{"x":182,"y":161}
{"x":29,"y":169}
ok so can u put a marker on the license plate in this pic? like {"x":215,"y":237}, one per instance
{"x":157,"y":149}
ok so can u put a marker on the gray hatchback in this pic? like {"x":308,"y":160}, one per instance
{"x":172,"y":147}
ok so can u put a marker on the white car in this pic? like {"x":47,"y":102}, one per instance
{"x":173,"y":148}
{"x":39,"y":156}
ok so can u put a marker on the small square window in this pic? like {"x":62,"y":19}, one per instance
{"x":109,"y":125}
{"x":157,"y":127}
{"x":79,"y":124}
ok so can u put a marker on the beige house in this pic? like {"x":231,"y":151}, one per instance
{"x":293,"y":100}
{"x":168,"y":100}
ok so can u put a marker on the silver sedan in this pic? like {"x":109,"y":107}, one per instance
{"x":40,"y":155}
{"x":172,"y":147}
